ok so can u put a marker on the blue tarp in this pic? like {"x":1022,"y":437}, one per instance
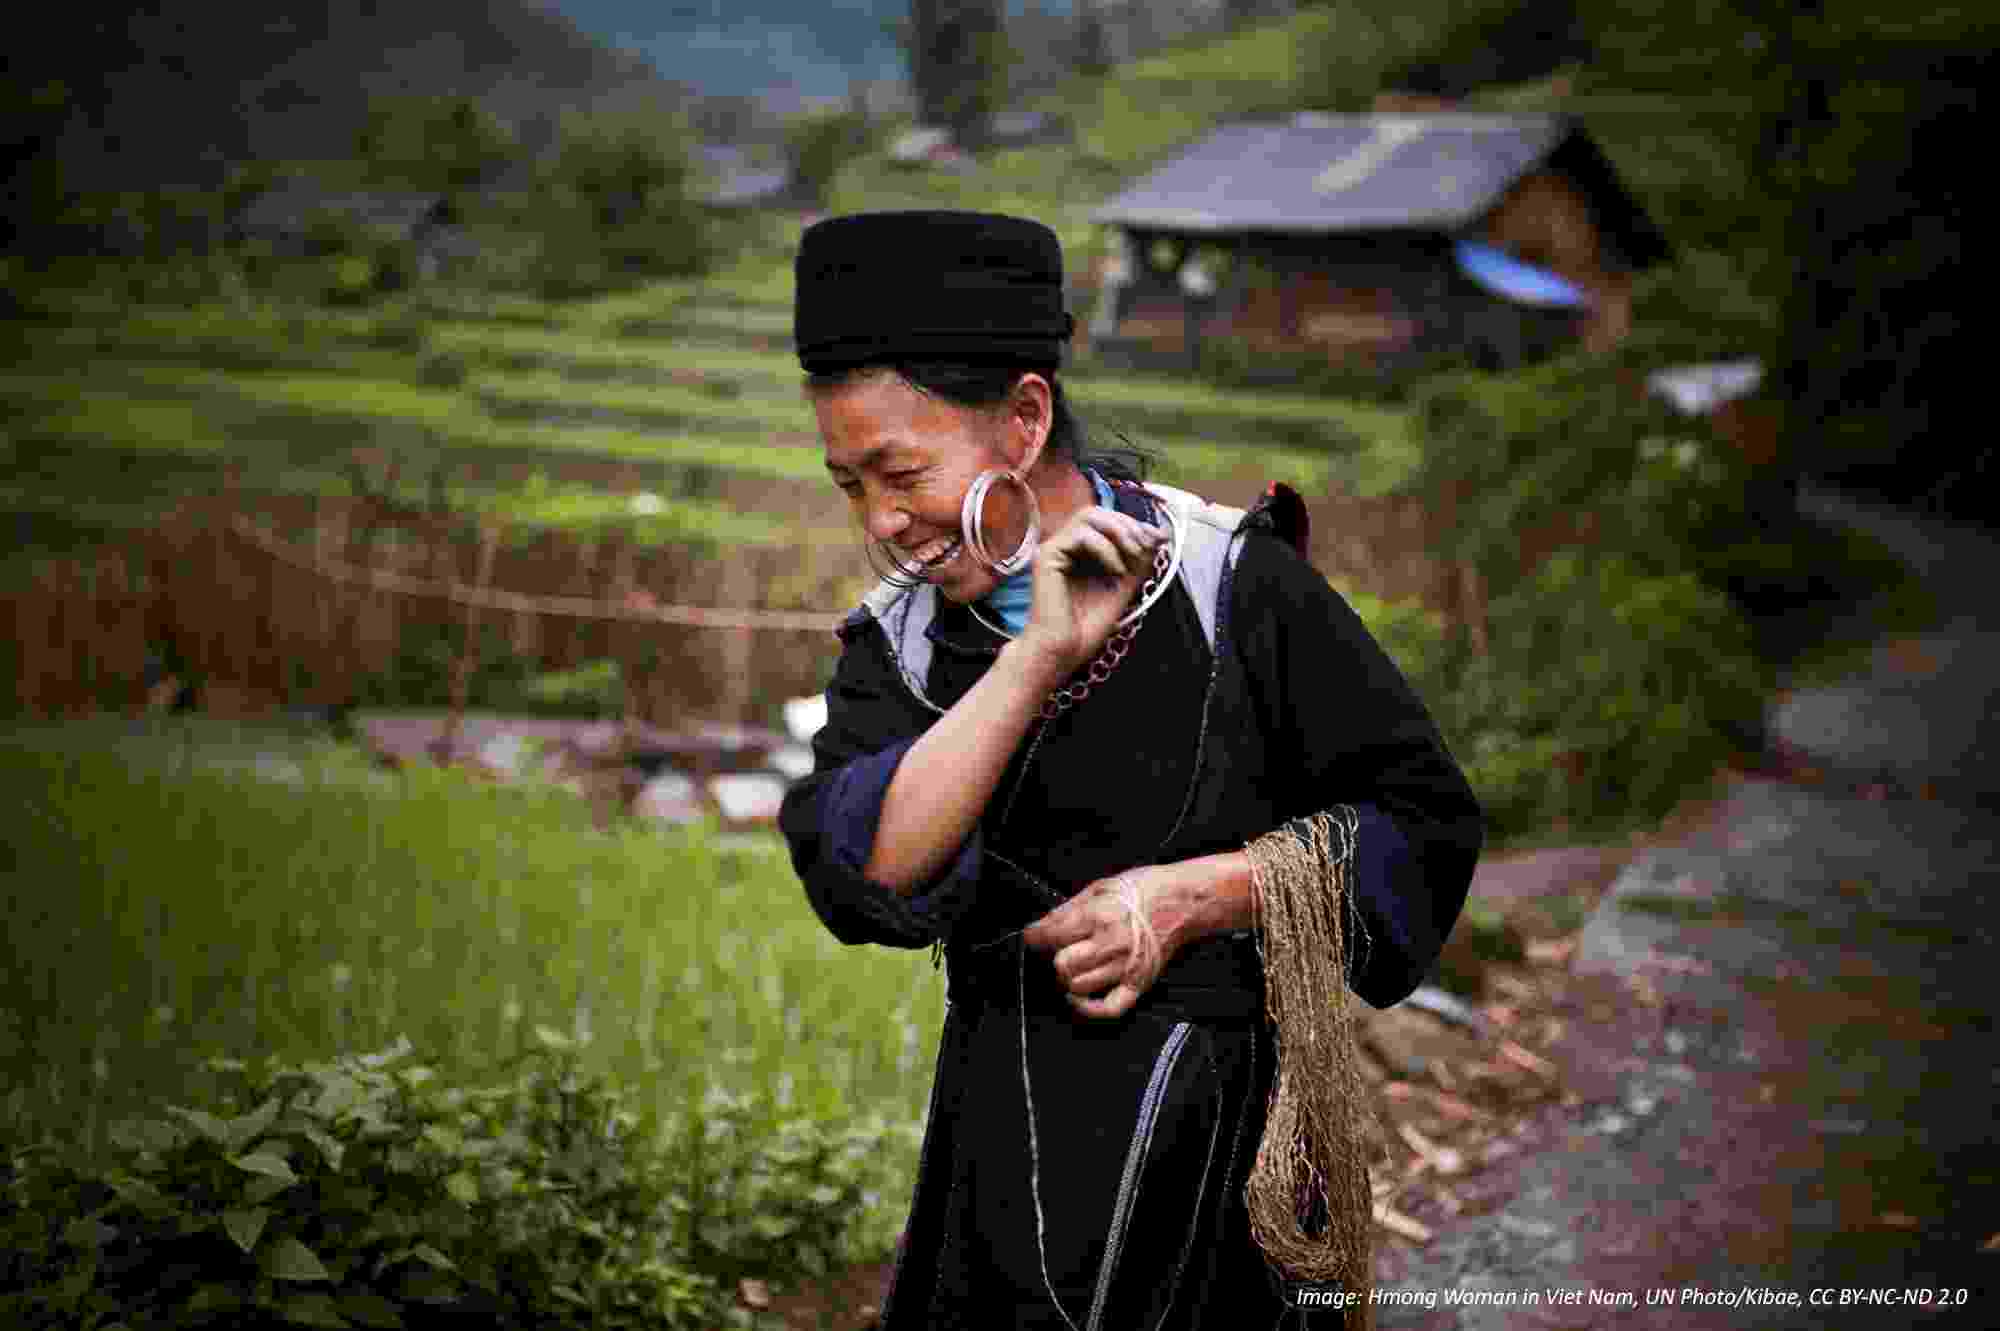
{"x":1524,"y":284}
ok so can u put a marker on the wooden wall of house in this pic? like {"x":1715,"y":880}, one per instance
{"x":1379,"y":299}
{"x":1546,"y":220}
{"x":1372,"y":298}
{"x":1365,"y":297}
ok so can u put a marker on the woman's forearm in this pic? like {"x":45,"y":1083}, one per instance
{"x":1207,"y":895}
{"x":941,"y":787}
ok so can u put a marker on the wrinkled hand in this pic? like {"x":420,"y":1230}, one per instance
{"x":1085,"y":578}
{"x":1111,"y":940}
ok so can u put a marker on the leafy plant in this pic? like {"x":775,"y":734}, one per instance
{"x":1605,"y":695}
{"x":595,"y":688}
{"x":364,"y":1192}
{"x":611,"y":209}
{"x":433,"y":143}
{"x":821,"y":144}
{"x":1609,"y":670}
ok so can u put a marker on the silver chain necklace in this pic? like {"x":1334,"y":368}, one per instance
{"x":1068,"y":695}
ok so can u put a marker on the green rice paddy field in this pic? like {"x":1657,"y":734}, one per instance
{"x":176,"y":889}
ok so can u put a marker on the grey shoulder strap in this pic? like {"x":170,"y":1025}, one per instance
{"x":1213,"y":542}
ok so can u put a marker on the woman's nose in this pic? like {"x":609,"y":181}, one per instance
{"x":886,"y":519}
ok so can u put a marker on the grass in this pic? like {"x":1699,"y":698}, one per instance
{"x":164,"y":903}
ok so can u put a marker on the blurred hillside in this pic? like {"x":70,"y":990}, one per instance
{"x":163,"y":94}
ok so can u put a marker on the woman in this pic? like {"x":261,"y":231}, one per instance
{"x":1080,"y":740}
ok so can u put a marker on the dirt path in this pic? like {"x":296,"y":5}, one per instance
{"x":1781,"y":1078}
{"x":1780,"y":1040}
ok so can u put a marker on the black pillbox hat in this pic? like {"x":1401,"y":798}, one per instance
{"x":888,"y":287}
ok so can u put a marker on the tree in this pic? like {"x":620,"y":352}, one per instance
{"x":821,"y":144}
{"x":1093,"y":42}
{"x":1882,"y":254}
{"x":615,"y":176}
{"x":726,"y":119}
{"x":612,"y":205}
{"x":959,"y":62}
{"x":441,"y":144}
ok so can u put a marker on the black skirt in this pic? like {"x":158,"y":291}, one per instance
{"x":1100,"y":1183}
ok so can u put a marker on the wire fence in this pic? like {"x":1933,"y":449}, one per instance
{"x":259,"y":601}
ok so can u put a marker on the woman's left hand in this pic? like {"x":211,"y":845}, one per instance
{"x":1113,"y":938}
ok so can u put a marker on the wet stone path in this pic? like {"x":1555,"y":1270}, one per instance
{"x":1782,"y":1040}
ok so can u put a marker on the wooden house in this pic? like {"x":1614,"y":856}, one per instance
{"x":734,"y":180}
{"x":1380,"y":238}
{"x":290,"y":217}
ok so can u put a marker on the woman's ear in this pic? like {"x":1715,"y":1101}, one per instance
{"x":1030,"y":418}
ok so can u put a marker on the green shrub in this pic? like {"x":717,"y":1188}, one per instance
{"x":1607,"y":693}
{"x":821,"y":144}
{"x":1619,"y":670}
{"x":364,"y":1192}
{"x":596,"y":688}
{"x":427,"y":653}
{"x":1233,"y":363}
{"x":433,"y":143}
{"x":611,"y":210}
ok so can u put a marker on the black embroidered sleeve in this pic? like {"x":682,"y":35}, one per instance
{"x":1347,"y":729}
{"x":829,"y":818}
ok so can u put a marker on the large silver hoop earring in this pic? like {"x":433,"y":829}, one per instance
{"x":897,"y":574}
{"x":972,"y":528}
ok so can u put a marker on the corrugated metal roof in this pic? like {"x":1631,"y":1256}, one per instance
{"x":1320,"y":173}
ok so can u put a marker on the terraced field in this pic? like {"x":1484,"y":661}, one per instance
{"x":552,"y":416}
{"x":539,"y":412}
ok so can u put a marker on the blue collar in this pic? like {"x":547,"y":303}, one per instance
{"x":1007,"y":604}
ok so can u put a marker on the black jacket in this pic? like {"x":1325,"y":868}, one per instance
{"x":1184,"y":751}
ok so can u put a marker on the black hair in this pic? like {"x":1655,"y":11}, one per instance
{"x":982,"y":387}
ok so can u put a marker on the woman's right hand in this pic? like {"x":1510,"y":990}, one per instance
{"x":1086,"y":575}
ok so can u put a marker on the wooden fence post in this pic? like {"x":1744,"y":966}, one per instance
{"x":376,"y":507}
{"x":625,"y":638}
{"x":1472,"y":592}
{"x":590,"y":639}
{"x":468,"y":652}
{"x":214,"y":638}
{"x":740,"y":583}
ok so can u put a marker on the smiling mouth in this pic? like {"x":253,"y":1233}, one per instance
{"x":940,"y":554}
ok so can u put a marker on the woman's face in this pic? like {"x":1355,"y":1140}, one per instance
{"x":905,"y":459}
